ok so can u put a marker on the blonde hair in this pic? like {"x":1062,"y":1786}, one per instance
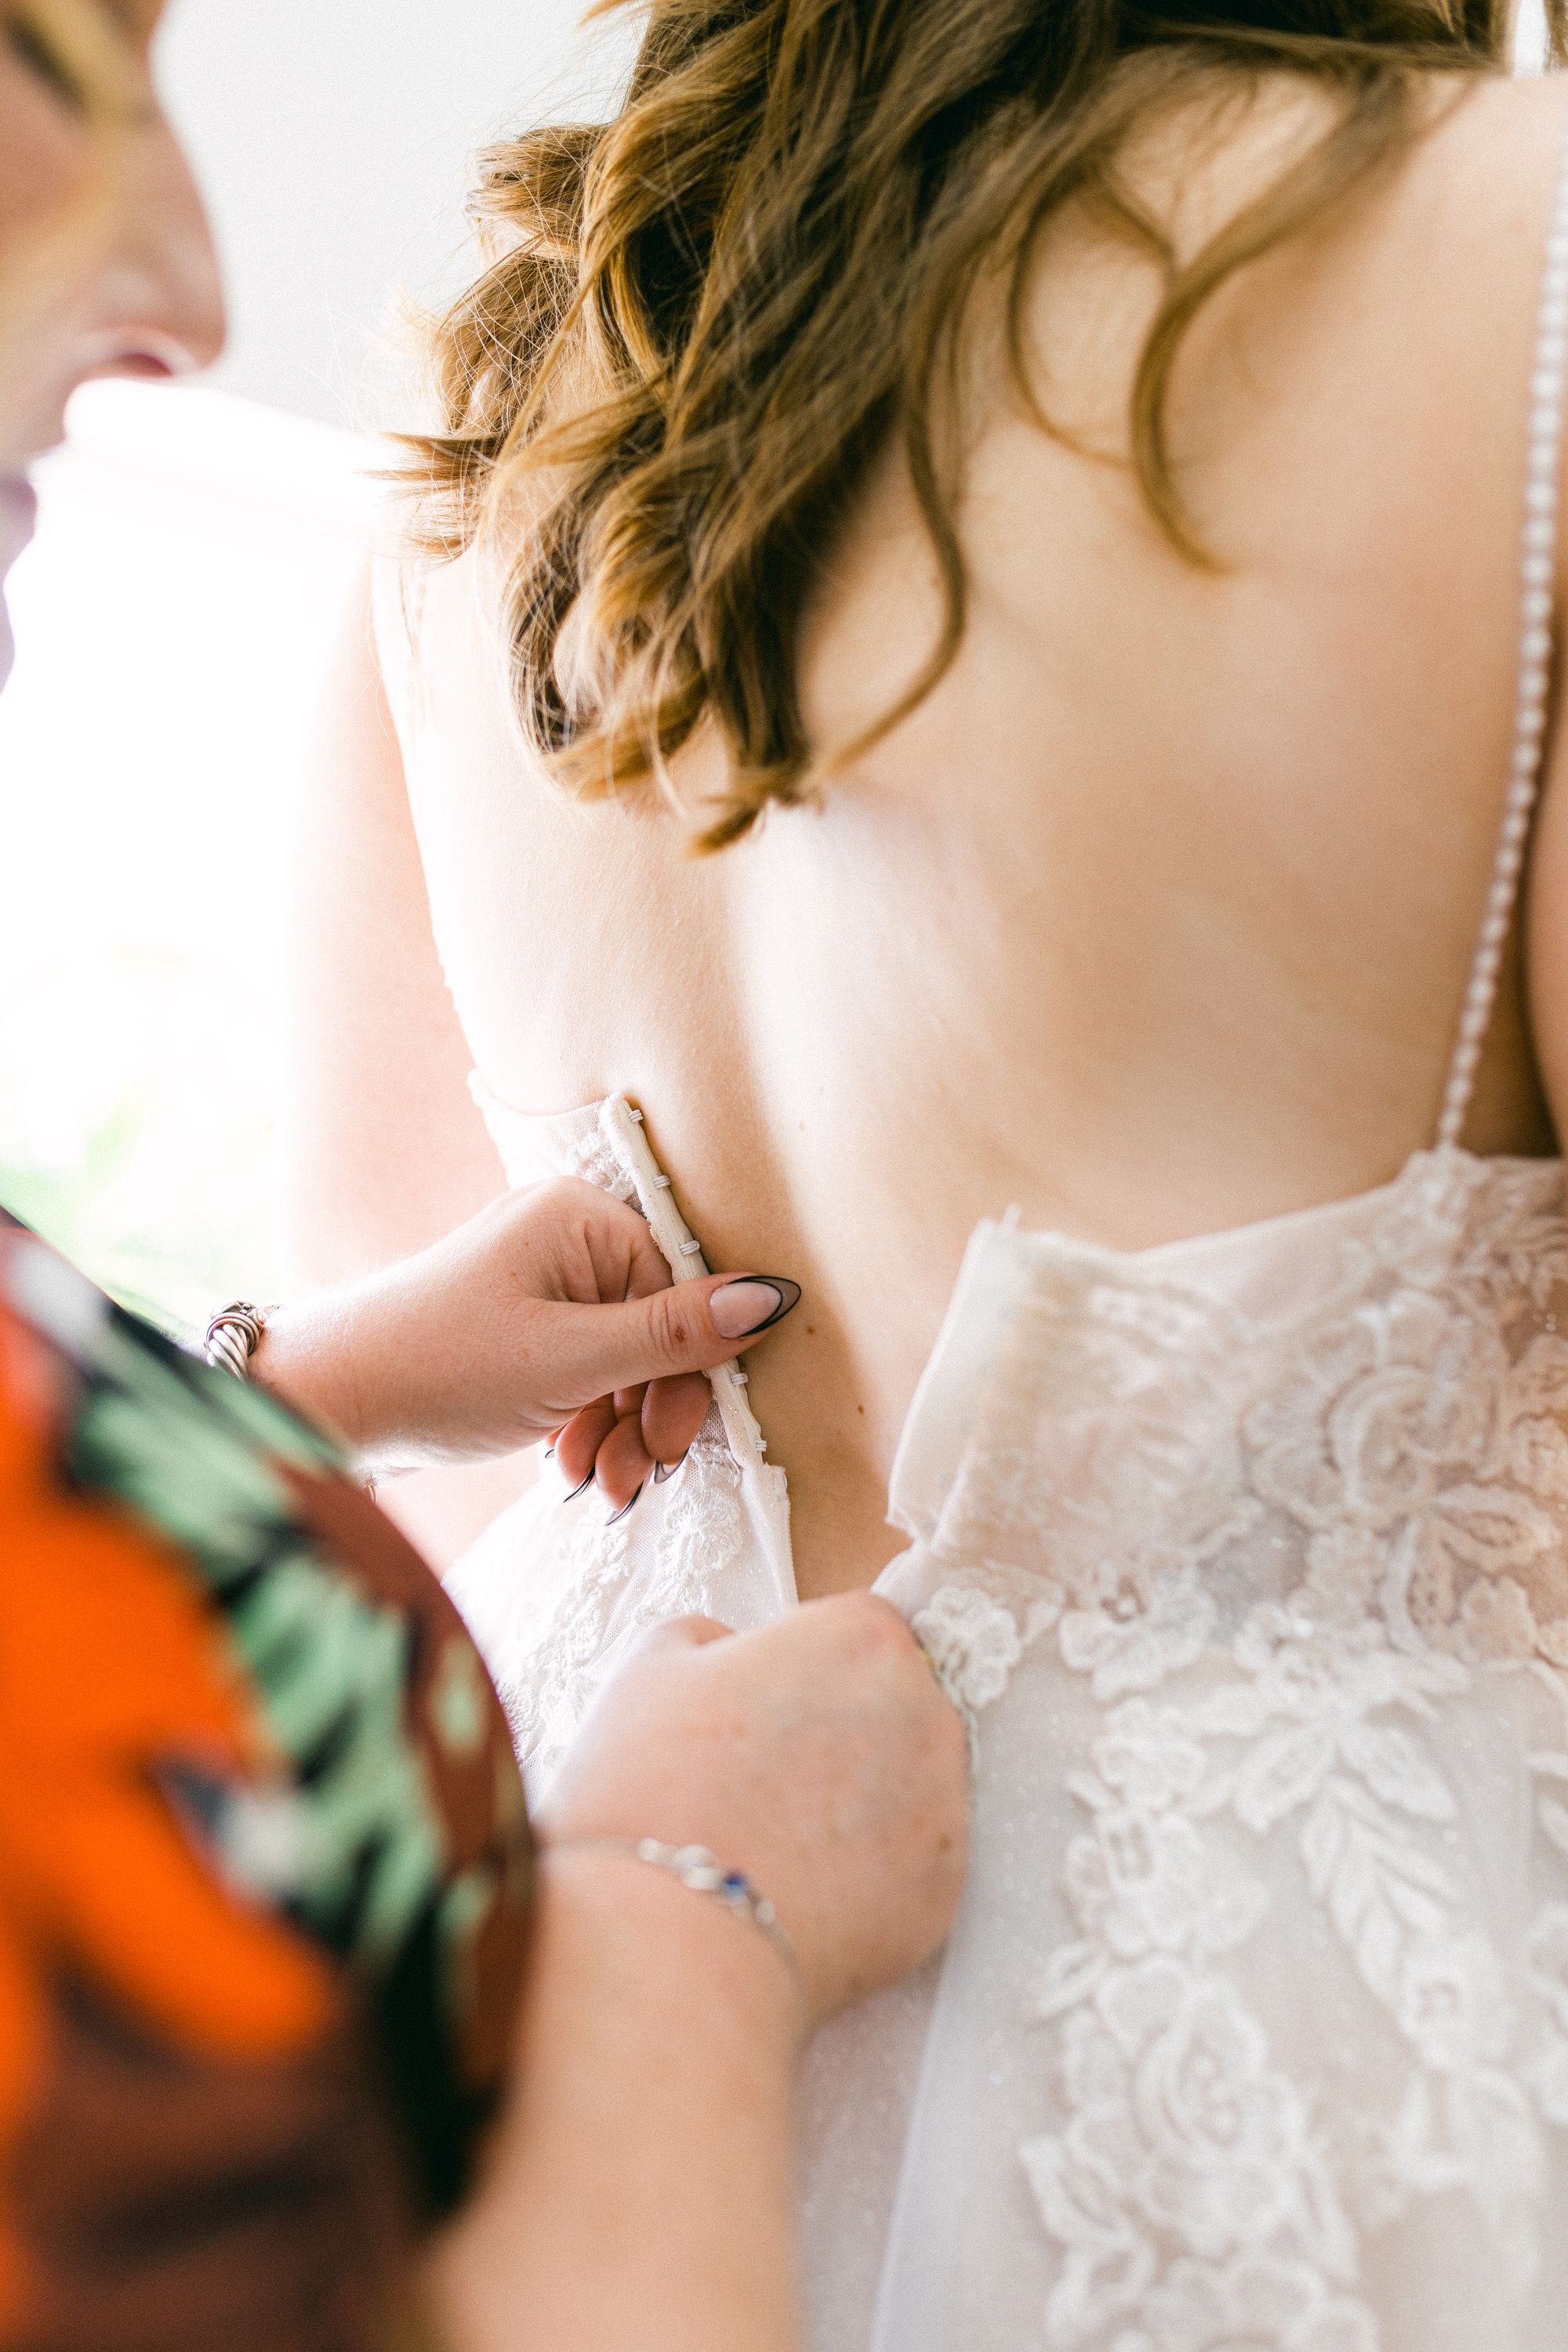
{"x":709,"y":315}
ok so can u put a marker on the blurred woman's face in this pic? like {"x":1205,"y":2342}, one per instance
{"x":127,"y":285}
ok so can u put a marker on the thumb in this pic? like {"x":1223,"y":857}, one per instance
{"x":689,"y":1327}
{"x":679,"y":1633}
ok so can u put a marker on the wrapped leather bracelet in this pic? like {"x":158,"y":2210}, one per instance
{"x":234,"y":1334}
{"x":704,"y":1873}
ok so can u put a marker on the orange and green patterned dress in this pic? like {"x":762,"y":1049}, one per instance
{"x":264,"y":1860}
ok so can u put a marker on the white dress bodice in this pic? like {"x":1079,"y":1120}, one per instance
{"x":1247,"y":1560}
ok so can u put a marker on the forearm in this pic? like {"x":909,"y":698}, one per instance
{"x":369,"y":1361}
{"x":307,"y":1356}
{"x":640,"y":2197}
{"x":313,"y":1359}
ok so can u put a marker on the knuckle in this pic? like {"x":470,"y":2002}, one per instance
{"x":663,"y":1641}
{"x":692,"y":1631}
{"x":560,"y":1198}
{"x":873,"y":1625}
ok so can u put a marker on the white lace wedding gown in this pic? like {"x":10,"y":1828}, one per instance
{"x":1248,"y":1558}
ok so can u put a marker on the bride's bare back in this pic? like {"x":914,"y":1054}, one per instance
{"x":1154,"y":920}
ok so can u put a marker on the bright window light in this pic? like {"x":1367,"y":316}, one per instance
{"x":174,"y":622}
{"x":1529,"y":38}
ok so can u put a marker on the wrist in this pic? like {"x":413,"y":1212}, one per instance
{"x":653,"y":2082}
{"x":710,"y":1960}
{"x":309,"y":1357}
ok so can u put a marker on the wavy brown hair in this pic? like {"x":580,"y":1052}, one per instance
{"x":706,"y":316}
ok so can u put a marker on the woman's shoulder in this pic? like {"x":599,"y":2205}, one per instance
{"x":1344,"y":261}
{"x":1435,"y":278}
{"x":1490,"y":152}
{"x":436,"y":630}
{"x":1469,"y":173}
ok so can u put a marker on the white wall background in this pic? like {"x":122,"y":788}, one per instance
{"x":177,"y":618}
{"x":332,"y":140}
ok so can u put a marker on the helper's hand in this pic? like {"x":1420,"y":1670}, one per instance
{"x":820,"y":1755}
{"x":550,"y":1314}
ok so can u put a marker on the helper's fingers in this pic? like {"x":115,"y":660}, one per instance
{"x":680,"y":1634}
{"x":577,"y":1445}
{"x":620,"y":1451}
{"x":623,"y":1467}
{"x":673,"y":1411}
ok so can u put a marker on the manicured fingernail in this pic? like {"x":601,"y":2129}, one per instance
{"x":579,"y":1490}
{"x":664,"y":1470}
{"x":616,"y":1517}
{"x":742,"y":1309}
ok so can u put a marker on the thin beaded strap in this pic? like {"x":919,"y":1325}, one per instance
{"x":1538,"y":571}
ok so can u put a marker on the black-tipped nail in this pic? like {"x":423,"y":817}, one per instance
{"x":616,"y":1517}
{"x":664,"y":1470}
{"x":579,"y":1490}
{"x":549,"y":1453}
{"x":785,"y":1295}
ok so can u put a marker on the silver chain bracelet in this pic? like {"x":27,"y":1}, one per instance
{"x":704,"y":1873}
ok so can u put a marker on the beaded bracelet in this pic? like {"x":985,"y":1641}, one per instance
{"x":695,"y":1867}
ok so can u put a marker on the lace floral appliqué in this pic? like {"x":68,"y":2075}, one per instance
{"x":1279,"y":1558}
{"x":613,"y":1584}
